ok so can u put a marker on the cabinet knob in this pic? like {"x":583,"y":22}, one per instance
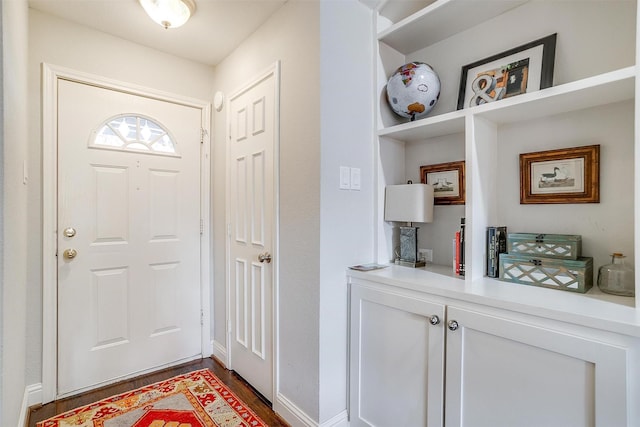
{"x":434,"y":320}
{"x":452,"y":325}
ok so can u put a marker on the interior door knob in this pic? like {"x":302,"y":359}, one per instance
{"x":70,"y":253}
{"x":265,"y":257}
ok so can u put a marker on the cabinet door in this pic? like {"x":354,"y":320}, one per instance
{"x":502,"y":372}
{"x":397,"y":360}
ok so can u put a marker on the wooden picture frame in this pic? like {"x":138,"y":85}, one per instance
{"x":569,"y":175}
{"x":447,"y":180}
{"x":523,"y":69}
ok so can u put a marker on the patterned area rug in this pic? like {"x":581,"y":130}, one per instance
{"x":197,"y":399}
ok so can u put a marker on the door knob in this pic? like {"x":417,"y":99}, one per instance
{"x":69,"y":231}
{"x":70,"y":253}
{"x":434,"y":320}
{"x":265,"y":257}
{"x":453,"y":325}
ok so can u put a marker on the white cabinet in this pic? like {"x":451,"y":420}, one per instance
{"x":503,"y":372}
{"x":502,"y":368}
{"x":397,"y":359}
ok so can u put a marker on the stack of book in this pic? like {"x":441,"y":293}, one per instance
{"x":496,"y":245}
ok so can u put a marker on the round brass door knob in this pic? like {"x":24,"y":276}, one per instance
{"x":70,"y":253}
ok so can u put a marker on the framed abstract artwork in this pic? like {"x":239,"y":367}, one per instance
{"x":523,"y":69}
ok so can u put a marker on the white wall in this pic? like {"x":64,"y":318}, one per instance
{"x":322,"y":228}
{"x":346,"y":227}
{"x":14,"y":205}
{"x":63,"y":43}
{"x":612,"y":128}
{"x":291,"y":36}
{"x":326,"y":122}
{"x":437,"y":235}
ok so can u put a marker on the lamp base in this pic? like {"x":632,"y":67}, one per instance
{"x":409,"y":247}
{"x":414,"y":264}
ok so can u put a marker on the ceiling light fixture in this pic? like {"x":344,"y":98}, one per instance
{"x":169,"y":13}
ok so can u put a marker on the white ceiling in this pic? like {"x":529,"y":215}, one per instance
{"x":214,"y":31}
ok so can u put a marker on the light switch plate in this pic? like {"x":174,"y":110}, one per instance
{"x":355,"y":178}
{"x":345,"y":178}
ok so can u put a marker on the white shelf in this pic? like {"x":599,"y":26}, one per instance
{"x":604,"y":89}
{"x":441,"y":20}
{"x":395,"y":11}
{"x":430,"y":127}
{"x":594,"y":91}
{"x":443,"y":270}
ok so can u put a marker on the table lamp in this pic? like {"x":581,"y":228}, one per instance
{"x":409,"y":203}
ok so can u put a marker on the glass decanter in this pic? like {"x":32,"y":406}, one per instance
{"x":616,"y":278}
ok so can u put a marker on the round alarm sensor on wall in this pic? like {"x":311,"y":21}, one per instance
{"x":218,"y":101}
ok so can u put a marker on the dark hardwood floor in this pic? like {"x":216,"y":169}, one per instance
{"x":234,"y":382}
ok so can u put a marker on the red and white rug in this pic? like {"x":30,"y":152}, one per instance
{"x":197,"y":399}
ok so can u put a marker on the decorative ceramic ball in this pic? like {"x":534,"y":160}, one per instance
{"x":413,"y":90}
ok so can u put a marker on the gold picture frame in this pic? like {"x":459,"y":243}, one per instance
{"x":569,"y":175}
{"x":447,"y":180}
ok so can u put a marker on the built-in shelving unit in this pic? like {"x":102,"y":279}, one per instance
{"x":441,"y":20}
{"x":592,"y":101}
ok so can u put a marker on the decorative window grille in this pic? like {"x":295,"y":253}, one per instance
{"x":134,"y":133}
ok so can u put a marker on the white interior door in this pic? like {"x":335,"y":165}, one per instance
{"x":128,"y":235}
{"x":252,"y":127}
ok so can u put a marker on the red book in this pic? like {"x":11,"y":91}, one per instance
{"x":457,"y":260}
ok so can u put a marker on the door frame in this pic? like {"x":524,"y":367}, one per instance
{"x":274,"y":70}
{"x":50,"y":76}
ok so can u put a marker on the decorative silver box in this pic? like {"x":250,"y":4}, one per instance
{"x":563,"y":246}
{"x":567,"y":275}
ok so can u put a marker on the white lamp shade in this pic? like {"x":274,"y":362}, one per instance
{"x":409,"y":203}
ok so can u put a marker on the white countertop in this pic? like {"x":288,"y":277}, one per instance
{"x":594,"y":309}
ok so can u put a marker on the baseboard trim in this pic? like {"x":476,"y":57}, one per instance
{"x":291,"y":413}
{"x":340,"y":420}
{"x":219,"y":352}
{"x":32,"y":396}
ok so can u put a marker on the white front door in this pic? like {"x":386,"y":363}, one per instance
{"x":128,"y":235}
{"x":252,"y":127}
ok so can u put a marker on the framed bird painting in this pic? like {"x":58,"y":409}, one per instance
{"x":569,"y":175}
{"x":447,"y":180}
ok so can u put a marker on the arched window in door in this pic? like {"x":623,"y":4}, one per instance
{"x":136,"y":133}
